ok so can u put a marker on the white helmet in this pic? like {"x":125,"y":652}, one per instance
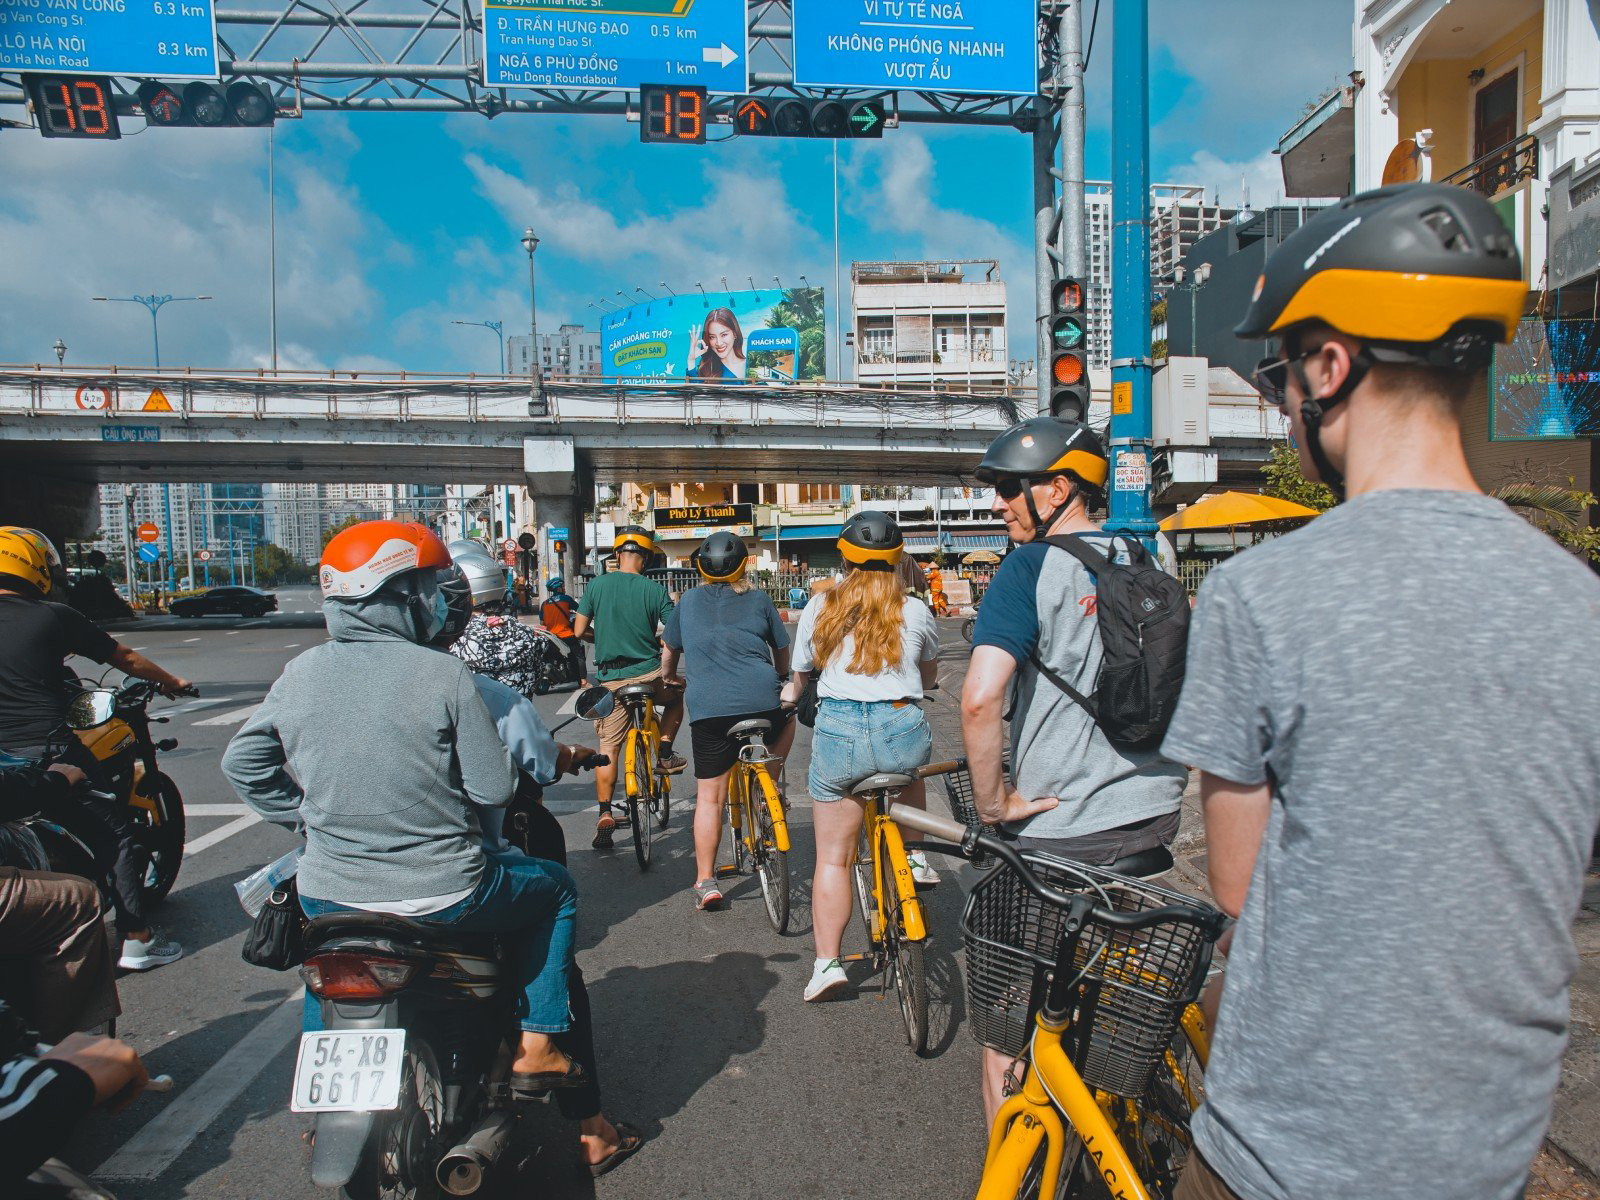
{"x":485,"y":576}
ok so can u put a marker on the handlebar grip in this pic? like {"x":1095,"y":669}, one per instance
{"x":940,"y":768}
{"x":926,"y":822}
{"x":592,"y":760}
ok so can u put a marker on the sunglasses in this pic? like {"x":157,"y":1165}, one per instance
{"x":1271,"y":377}
{"x":1010,"y":487}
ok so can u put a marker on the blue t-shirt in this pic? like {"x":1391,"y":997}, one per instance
{"x":727,"y":639}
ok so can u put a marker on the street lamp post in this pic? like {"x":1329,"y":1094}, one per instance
{"x":61,"y":352}
{"x":154,"y":304}
{"x":530,"y":243}
{"x":499,"y":331}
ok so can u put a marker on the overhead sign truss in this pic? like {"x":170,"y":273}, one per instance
{"x":429,"y":56}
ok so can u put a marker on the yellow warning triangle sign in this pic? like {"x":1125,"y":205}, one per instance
{"x":158,"y":401}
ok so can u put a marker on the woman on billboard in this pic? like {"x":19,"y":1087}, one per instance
{"x":719,"y":347}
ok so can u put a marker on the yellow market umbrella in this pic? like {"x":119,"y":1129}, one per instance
{"x":1227,"y":510}
{"x":980,"y":556}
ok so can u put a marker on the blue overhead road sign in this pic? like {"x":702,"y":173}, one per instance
{"x":172,"y":39}
{"x":148,"y":553}
{"x":614,"y":45}
{"x":982,"y":47}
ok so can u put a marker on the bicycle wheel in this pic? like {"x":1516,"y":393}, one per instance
{"x":1159,"y":1141}
{"x":905,"y":962}
{"x":968,"y":626}
{"x":772,"y":864}
{"x":661,"y":799}
{"x":862,"y":874}
{"x":640,"y":782}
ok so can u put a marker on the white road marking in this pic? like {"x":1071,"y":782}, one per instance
{"x":148,"y":1153}
{"x":205,"y":842}
{"x":569,"y":708}
{"x":232,"y":633}
{"x":292,"y":646}
{"x":193,"y":705}
{"x":188,"y":640}
{"x":216,"y":810}
{"x":236,"y":717}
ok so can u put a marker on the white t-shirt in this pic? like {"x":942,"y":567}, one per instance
{"x":919,"y":641}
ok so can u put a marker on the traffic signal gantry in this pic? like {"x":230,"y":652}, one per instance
{"x":207,"y":105}
{"x":1069,"y":351}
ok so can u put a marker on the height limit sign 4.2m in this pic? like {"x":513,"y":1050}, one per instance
{"x":615,"y":45}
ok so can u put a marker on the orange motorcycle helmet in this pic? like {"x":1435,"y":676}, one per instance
{"x":360,"y":560}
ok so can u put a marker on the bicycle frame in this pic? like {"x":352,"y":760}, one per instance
{"x":741,"y":795}
{"x":886,"y":843}
{"x":645,"y":736}
{"x":1031,"y":1117}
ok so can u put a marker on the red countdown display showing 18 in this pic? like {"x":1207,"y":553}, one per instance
{"x":73,"y":106}
{"x":672,"y":114}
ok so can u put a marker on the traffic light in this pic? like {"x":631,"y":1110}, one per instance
{"x":763,"y":116}
{"x":1069,"y":352}
{"x":558,"y":547}
{"x":206,"y":104}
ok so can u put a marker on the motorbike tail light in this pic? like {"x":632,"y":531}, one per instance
{"x":345,"y":976}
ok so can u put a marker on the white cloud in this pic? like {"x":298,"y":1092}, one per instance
{"x":1261,"y":178}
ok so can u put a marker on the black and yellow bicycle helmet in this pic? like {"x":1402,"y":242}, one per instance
{"x":636,"y":538}
{"x":1041,"y":447}
{"x":871,"y":541}
{"x":1424,"y":274}
{"x":721,"y":557}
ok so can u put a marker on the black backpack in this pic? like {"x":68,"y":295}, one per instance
{"x":1144,"y":632}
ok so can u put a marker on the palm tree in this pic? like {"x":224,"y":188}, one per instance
{"x":1562,"y":512}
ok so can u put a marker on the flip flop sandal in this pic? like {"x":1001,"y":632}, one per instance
{"x":632,"y":1139}
{"x":532,"y":1083}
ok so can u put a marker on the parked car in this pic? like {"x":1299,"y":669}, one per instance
{"x":243,"y":601}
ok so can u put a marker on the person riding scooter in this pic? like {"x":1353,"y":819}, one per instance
{"x":556,"y":614}
{"x":380,"y":747}
{"x":495,"y":643}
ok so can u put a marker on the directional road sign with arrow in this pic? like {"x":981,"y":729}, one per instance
{"x":616,"y":45}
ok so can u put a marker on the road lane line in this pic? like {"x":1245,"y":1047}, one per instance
{"x":235,"y":717}
{"x":206,"y":841}
{"x":568,"y":709}
{"x":216,"y":810}
{"x":292,"y":646}
{"x":188,"y":640}
{"x":148,"y":1153}
{"x":194,"y":705}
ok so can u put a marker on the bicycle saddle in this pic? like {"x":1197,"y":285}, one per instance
{"x":883,"y":781}
{"x":637,"y":691}
{"x":1143,"y":864}
{"x":746,"y":729}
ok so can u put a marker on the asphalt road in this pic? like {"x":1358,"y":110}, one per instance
{"x":705,"y":1044}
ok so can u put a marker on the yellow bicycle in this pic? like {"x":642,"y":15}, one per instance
{"x":758,"y":827}
{"x":890,"y":911}
{"x":647,"y":786}
{"x":1105,"y":976}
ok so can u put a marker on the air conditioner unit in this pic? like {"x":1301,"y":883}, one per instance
{"x":1181,"y":399}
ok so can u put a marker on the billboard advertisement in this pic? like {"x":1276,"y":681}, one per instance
{"x":774,"y":336}
{"x":1546,"y":382}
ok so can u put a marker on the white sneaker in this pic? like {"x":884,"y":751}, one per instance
{"x":827,"y":979}
{"x":922,"y":873}
{"x":146,"y":956}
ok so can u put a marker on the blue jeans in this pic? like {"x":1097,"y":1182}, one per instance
{"x":853,"y":739}
{"x":517,"y":894}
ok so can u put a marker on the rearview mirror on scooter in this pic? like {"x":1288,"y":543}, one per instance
{"x":92,"y":708}
{"x":594,"y":704}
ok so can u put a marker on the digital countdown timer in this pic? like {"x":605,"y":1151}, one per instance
{"x":672,"y":114}
{"x":73,"y":106}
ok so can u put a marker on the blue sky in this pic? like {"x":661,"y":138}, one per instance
{"x":390,"y":226}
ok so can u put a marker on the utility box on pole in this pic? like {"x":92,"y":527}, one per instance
{"x":1185,"y":465}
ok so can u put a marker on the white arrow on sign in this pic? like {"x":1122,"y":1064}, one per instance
{"x":721,"y":55}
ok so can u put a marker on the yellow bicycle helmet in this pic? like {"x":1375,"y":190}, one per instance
{"x":23,"y":562}
{"x":636,"y":538}
{"x":871,"y":541}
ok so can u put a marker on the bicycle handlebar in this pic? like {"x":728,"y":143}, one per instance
{"x":968,"y":840}
{"x":940,"y":768}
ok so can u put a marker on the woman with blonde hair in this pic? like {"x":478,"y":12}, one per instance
{"x":874,"y":650}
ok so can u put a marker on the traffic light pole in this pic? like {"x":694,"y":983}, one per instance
{"x":1132,"y":368}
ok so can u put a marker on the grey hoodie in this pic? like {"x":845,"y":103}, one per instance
{"x":381,"y":747}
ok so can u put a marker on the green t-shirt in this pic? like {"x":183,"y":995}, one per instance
{"x":626,"y":611}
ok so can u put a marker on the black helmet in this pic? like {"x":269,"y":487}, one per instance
{"x":636,"y":538}
{"x":456,"y":589}
{"x":1418,"y":264}
{"x":871,"y":541}
{"x":1044,"y":446}
{"x":721,"y":557}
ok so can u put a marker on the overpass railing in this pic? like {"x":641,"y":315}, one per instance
{"x":145,"y":394}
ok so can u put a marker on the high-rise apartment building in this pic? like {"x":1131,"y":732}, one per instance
{"x":571,"y":350}
{"x":1179,"y":217}
{"x":925,"y":322}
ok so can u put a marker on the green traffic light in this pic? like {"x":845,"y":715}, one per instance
{"x":1068,"y":334}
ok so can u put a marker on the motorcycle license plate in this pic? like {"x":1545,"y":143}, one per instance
{"x":349,"y":1070}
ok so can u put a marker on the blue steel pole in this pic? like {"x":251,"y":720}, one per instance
{"x":166,"y":503}
{"x":1131,"y":365}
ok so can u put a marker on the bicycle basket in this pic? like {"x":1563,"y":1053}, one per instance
{"x":964,"y":804}
{"x":1144,"y":978}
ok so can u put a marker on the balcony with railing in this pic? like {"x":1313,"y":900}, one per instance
{"x":1500,"y":169}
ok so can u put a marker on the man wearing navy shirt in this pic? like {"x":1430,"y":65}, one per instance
{"x":1071,"y":792}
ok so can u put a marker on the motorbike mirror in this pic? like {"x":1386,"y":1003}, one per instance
{"x":92,"y":708}
{"x":594,"y":704}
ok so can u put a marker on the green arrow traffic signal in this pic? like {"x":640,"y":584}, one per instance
{"x":866,"y":119}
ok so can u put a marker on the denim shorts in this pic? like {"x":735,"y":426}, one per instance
{"x":853,"y":739}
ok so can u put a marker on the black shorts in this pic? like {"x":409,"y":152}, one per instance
{"x":715,"y":752}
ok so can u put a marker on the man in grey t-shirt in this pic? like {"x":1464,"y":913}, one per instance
{"x":1393,"y":713}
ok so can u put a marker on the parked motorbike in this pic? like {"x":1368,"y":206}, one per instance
{"x":114,"y":724}
{"x":410,"y":1076}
